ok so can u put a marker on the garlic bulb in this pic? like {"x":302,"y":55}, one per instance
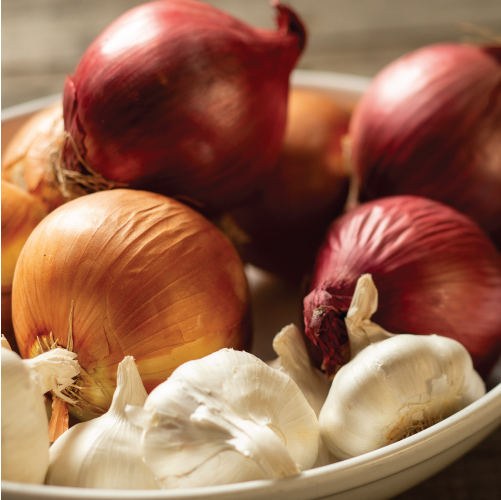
{"x":104,"y":452}
{"x":293,"y":360}
{"x":25,"y":432}
{"x":394,"y":385}
{"x":226,"y":418}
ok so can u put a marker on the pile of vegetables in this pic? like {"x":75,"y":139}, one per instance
{"x":179,"y":156}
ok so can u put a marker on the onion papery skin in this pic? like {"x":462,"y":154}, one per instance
{"x":148,"y":277}
{"x":285,"y":225}
{"x":21,"y":213}
{"x":435,"y":270}
{"x":180,"y":98}
{"x":430,"y":125}
{"x":31,"y":155}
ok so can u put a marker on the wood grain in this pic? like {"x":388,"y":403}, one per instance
{"x":42,"y":40}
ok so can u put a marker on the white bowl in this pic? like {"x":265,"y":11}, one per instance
{"x":380,"y":474}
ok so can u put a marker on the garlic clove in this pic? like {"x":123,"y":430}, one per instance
{"x":245,"y":449}
{"x":104,"y":452}
{"x":394,"y":387}
{"x":227,"y":417}
{"x":25,"y":434}
{"x":293,"y":360}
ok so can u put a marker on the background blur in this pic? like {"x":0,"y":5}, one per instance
{"x":42,"y":40}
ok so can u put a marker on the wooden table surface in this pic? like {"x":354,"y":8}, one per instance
{"x":42,"y":41}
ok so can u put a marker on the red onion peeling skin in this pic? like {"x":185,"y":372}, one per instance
{"x":180,"y":98}
{"x":430,"y":125}
{"x":435,"y":270}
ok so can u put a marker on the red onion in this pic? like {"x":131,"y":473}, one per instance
{"x":430,"y":125}
{"x":180,"y":98}
{"x":435,"y":270}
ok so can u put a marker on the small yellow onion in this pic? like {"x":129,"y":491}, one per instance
{"x":128,"y":273}
{"x":31,"y":155}
{"x":21,"y":213}
{"x":282,"y":229}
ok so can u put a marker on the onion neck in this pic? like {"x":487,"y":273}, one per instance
{"x":324,"y":316}
{"x":75,"y":392}
{"x":281,"y":47}
{"x":290,"y":24}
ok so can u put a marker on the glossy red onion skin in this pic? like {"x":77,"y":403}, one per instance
{"x":195,"y":108}
{"x":430,"y":125}
{"x":435,"y":270}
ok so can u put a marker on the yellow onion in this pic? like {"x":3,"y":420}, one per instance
{"x":21,"y":213}
{"x":128,"y":273}
{"x":282,"y":230}
{"x":31,"y":156}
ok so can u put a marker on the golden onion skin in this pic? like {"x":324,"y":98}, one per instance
{"x":285,"y":226}
{"x":148,"y":277}
{"x":21,"y":213}
{"x":30,"y":156}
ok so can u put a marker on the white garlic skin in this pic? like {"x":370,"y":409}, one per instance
{"x":393,"y":385}
{"x":54,"y":370}
{"x":105,"y":452}
{"x":25,"y":427}
{"x":293,"y":360}
{"x":226,"y":418}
